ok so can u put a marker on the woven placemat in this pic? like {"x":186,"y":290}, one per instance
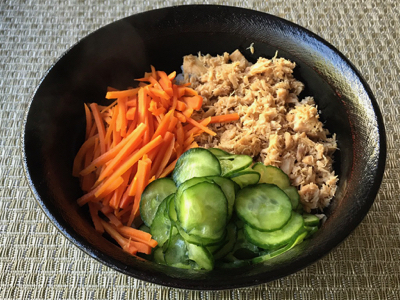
{"x":37,"y":262}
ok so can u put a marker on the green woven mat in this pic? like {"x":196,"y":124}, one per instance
{"x":37,"y":262}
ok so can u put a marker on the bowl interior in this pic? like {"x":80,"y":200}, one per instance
{"x":120,"y":52}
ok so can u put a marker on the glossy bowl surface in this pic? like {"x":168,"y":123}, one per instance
{"x":120,"y":52}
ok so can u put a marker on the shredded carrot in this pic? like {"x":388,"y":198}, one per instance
{"x":131,"y":142}
{"x":122,"y":94}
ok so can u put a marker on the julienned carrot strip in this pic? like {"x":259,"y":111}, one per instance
{"x":168,"y":169}
{"x":111,"y":128}
{"x":94,"y":214}
{"x":134,"y":233}
{"x":128,"y":164}
{"x":121,"y":94}
{"x":194,"y":102}
{"x":117,"y":195}
{"x":180,"y":134}
{"x":225,"y":118}
{"x":131,"y":113}
{"x":163,"y":126}
{"x":160,"y":154}
{"x":114,"y":220}
{"x":195,"y":130}
{"x":172,"y":75}
{"x":190,"y":92}
{"x":123,"y":242}
{"x":188,"y":112}
{"x":160,"y":93}
{"x":142,"y":106}
{"x":143,"y":175}
{"x":180,"y":105}
{"x":88,"y":116}
{"x":100,"y":126}
{"x":121,"y":121}
{"x":108,"y":107}
{"x":166,"y":157}
{"x":197,"y":124}
{"x":78,"y":161}
{"x":180,"y":116}
{"x":172,"y":124}
{"x":153,"y":72}
{"x":110,"y":154}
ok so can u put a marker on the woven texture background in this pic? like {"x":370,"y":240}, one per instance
{"x":37,"y":262}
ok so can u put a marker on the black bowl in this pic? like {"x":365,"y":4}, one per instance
{"x":120,"y":52}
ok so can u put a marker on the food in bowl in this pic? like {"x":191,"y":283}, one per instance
{"x":218,"y":204}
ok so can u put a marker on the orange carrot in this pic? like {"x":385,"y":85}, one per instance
{"x":123,"y":242}
{"x":121,"y":122}
{"x":77,"y":165}
{"x":169,"y":137}
{"x":88,"y":116}
{"x":202,"y":127}
{"x":194,"y":102}
{"x":143,"y":175}
{"x":134,"y":233}
{"x":100,"y":126}
{"x":122,"y":94}
{"x":225,"y":118}
{"x":166,"y":157}
{"x":94,"y":214}
{"x":131,"y":113}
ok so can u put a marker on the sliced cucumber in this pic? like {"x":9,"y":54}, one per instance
{"x":176,"y":255}
{"x":293,"y":195}
{"x":152,"y":196}
{"x":234,"y":164}
{"x":280,"y":251}
{"x":196,"y":162}
{"x":230,"y":241}
{"x":201,"y":241}
{"x":273,"y":175}
{"x":242,"y":248}
{"x":161,"y":226}
{"x":202,"y":210}
{"x":201,"y":256}
{"x":310,"y":220}
{"x":228,"y":187}
{"x":245,"y":178}
{"x":311,"y":230}
{"x":278,"y":238}
{"x":219,"y":153}
{"x":158,"y":256}
{"x":263,"y":206}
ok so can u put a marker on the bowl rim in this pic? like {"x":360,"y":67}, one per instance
{"x":79,"y":242}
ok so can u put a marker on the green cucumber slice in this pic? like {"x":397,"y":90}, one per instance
{"x":299,"y":239}
{"x":195,"y":162}
{"x":201,"y":256}
{"x":161,"y":226}
{"x":202,"y":210}
{"x":272,"y":175}
{"x":228,"y":187}
{"x":263,"y":206}
{"x":245,"y":178}
{"x":153,"y":195}
{"x":310,"y":220}
{"x":293,"y":195}
{"x":275,"y":239}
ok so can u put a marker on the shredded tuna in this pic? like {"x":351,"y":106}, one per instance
{"x":275,"y":127}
